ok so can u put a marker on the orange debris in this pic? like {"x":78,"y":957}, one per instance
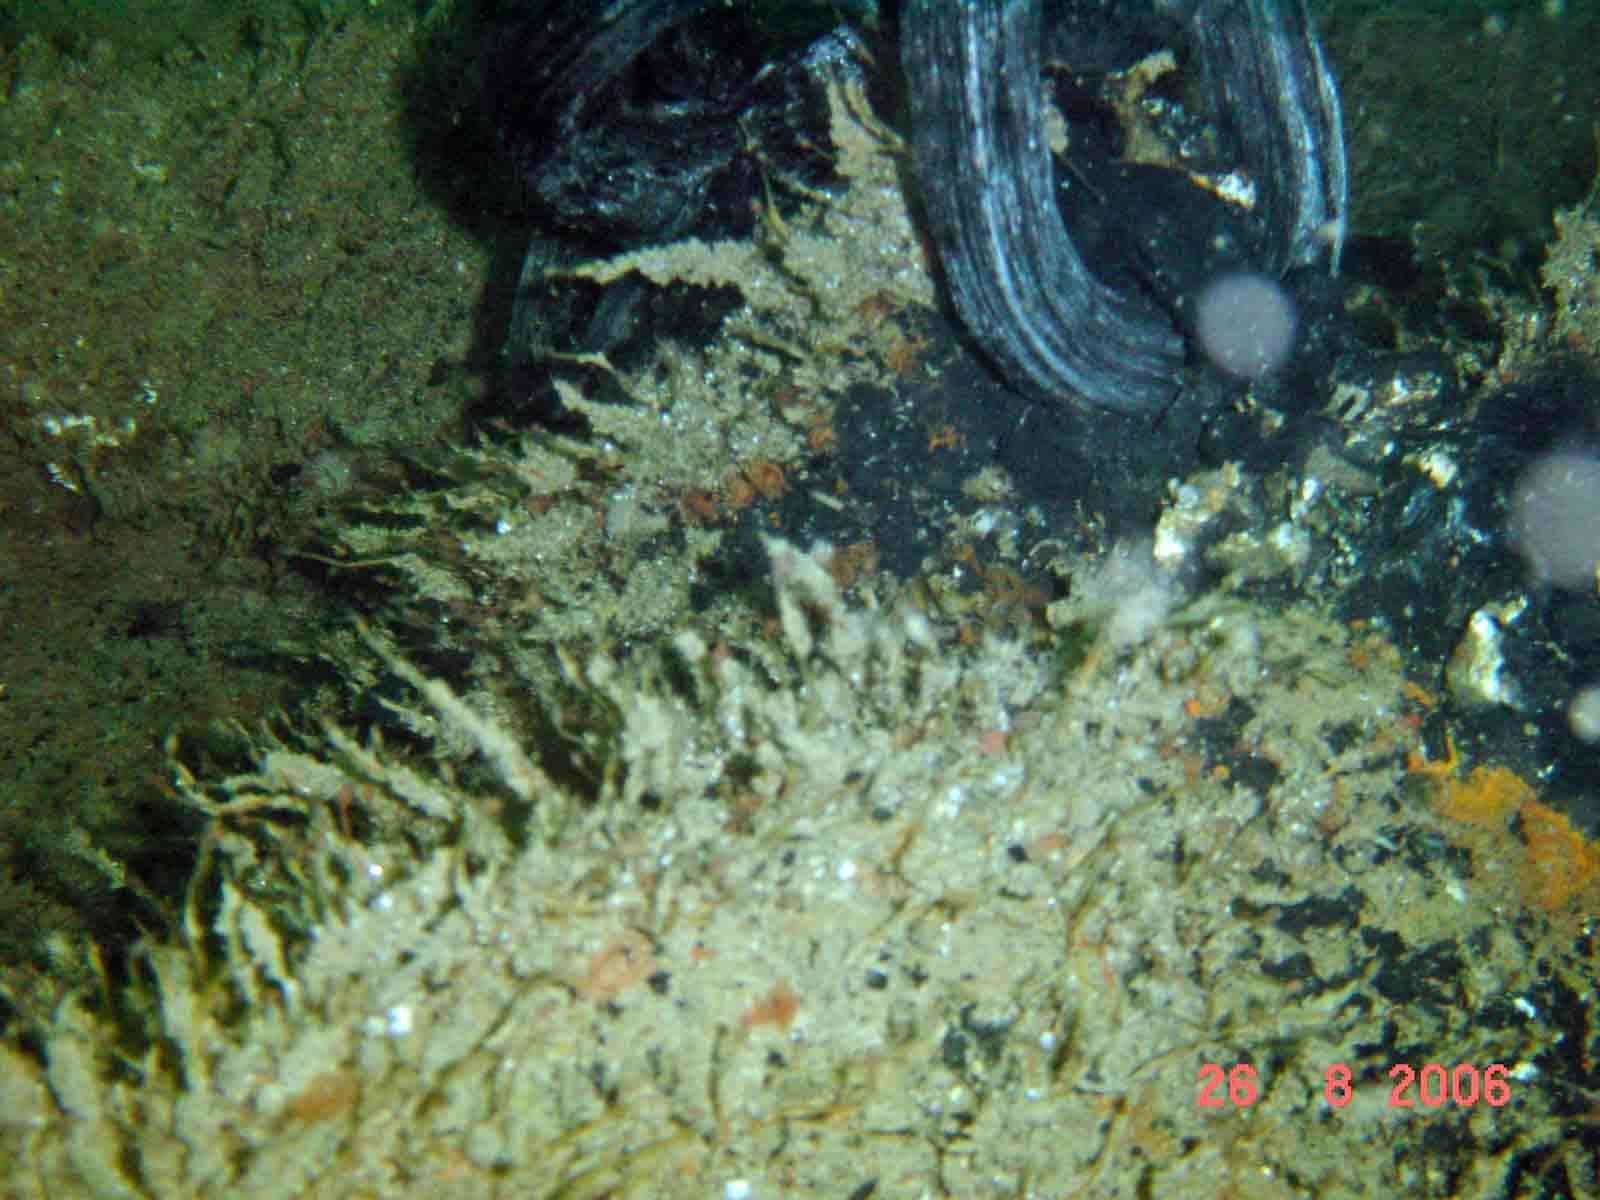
{"x":330,"y":1094}
{"x":1415,"y":692}
{"x":625,"y":963}
{"x":777,"y":1008}
{"x":1435,"y":768}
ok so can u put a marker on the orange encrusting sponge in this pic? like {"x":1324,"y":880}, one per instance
{"x":1558,"y":861}
{"x":1485,"y":798}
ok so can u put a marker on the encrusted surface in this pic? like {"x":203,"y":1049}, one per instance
{"x":694,"y":879}
{"x":956,"y":922}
